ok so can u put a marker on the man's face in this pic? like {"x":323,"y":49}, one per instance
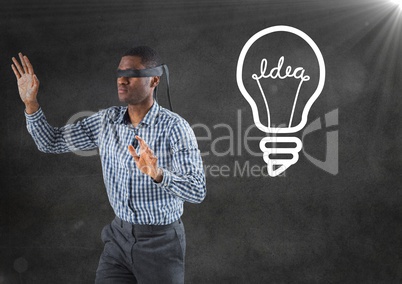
{"x":134,"y":90}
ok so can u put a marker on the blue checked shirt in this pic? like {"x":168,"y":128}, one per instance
{"x":134,"y":196}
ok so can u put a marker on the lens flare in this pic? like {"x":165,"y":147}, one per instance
{"x":398,"y":2}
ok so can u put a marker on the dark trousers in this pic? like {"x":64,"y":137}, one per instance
{"x":142,"y":254}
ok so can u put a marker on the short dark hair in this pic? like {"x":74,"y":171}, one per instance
{"x":149,"y":57}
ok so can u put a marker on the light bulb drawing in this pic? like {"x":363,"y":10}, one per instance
{"x":270,"y":145}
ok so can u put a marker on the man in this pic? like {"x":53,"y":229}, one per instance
{"x":150,"y":162}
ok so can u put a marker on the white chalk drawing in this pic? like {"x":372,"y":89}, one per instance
{"x":276,"y":166}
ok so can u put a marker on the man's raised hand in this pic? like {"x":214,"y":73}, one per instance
{"x":28,"y":83}
{"x":147,"y":162}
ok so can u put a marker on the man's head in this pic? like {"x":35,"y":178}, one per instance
{"x":138,"y":90}
{"x":149,"y":57}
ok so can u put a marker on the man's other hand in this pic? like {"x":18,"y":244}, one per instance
{"x":28,"y":83}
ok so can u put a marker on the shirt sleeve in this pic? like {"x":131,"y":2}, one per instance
{"x":82,"y":135}
{"x":186,"y":179}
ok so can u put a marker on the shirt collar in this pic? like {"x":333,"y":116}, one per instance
{"x":149,"y":118}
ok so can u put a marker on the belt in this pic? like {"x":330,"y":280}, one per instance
{"x":145,"y":228}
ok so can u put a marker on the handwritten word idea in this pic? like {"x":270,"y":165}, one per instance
{"x":297,"y":73}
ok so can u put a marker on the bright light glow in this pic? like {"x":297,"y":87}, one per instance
{"x":398,"y":2}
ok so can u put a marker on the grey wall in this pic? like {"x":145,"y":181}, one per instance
{"x":308,"y":226}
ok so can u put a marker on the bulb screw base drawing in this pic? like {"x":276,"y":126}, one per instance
{"x":272,"y":146}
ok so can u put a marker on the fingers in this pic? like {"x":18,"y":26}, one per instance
{"x":25,"y":68}
{"x":142,"y":142}
{"x":22,"y":59}
{"x":35,"y":83}
{"x":148,"y":162}
{"x":144,"y":146}
{"x":18,"y":66}
{"x":17,"y":74}
{"x":133,"y":153}
{"x":144,"y":149}
{"x":28,"y":65}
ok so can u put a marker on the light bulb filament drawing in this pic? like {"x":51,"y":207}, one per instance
{"x":275,"y":73}
{"x":278,"y":166}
